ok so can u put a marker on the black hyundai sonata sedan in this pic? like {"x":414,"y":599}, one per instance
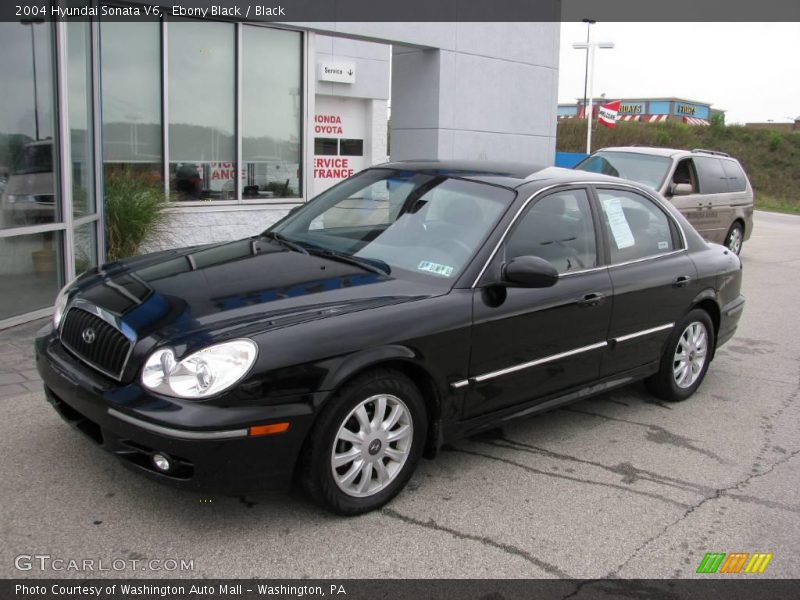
{"x":409,"y":305}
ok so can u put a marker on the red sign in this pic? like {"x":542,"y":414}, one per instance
{"x":332,"y":168}
{"x":331,"y":124}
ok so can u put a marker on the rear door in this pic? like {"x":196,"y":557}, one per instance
{"x":653,"y":279}
{"x":715,"y":220}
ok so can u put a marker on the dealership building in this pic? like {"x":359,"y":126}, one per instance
{"x":237,"y":122}
{"x":649,"y":110}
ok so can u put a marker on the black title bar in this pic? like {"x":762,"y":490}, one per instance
{"x":299,"y":11}
{"x":738,"y":588}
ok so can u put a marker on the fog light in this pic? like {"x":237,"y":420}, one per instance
{"x":161,"y":462}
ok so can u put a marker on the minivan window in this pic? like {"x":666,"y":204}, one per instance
{"x":712,"y":178}
{"x":643,"y":168}
{"x":736,"y":177}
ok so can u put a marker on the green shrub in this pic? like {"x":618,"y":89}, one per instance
{"x":775,"y":141}
{"x":134,"y":211}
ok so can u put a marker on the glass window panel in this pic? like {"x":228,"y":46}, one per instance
{"x":79,"y":98}
{"x":28,"y":186}
{"x":85,"y":251}
{"x":352,"y":148}
{"x":326,"y":146}
{"x":30,"y":272}
{"x":202,"y":114}
{"x":271,"y":107}
{"x":635,"y":226}
{"x":131,"y":95}
{"x":558,"y":228}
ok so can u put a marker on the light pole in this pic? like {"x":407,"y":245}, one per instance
{"x":590,"y":47}
{"x":589,"y":23}
{"x":33,"y":22}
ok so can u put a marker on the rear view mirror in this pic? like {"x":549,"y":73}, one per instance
{"x":681,"y":189}
{"x":530,"y":272}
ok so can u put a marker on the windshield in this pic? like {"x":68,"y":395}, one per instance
{"x":421,"y":223}
{"x":643,"y":168}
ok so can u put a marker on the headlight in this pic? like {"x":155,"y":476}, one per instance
{"x":202,"y":374}
{"x":61,"y":304}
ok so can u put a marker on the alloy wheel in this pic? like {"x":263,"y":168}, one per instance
{"x":371,"y":445}
{"x":735,"y":240}
{"x":690,"y":355}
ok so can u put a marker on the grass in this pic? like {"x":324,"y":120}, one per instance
{"x":764,"y":202}
{"x":770,"y":158}
{"x":134,"y":211}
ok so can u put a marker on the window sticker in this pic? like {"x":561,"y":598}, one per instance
{"x":435,"y":268}
{"x":623,"y":236}
{"x":663,"y":245}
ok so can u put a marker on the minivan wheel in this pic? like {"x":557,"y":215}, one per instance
{"x":735,"y":238}
{"x":366,"y":443}
{"x":686,"y":357}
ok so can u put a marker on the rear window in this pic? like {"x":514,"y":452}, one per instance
{"x":737,"y":181}
{"x":646,"y":169}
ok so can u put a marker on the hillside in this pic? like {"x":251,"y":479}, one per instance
{"x":770,"y":158}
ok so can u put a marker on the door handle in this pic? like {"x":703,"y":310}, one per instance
{"x":682,"y":281}
{"x":592,"y":299}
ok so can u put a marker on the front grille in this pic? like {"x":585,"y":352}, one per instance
{"x":107,"y":351}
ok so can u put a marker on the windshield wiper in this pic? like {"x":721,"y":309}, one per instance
{"x":369,"y":264}
{"x":284,"y":241}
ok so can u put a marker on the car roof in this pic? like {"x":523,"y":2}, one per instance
{"x":652,"y":150}
{"x":506,"y":174}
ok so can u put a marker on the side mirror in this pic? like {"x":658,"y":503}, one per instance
{"x":681,"y":189}
{"x":529,"y":272}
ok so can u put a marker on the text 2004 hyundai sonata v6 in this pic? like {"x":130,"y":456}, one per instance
{"x":410,"y":304}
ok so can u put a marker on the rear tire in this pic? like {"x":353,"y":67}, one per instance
{"x":365,"y":444}
{"x":735,"y":238}
{"x":686,"y":357}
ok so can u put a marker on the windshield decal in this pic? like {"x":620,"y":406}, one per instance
{"x":432,"y":267}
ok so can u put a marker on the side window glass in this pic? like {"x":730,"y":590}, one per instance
{"x":736,"y":177}
{"x":559,"y":229}
{"x":712,"y":178}
{"x":635,"y":226}
{"x":685,"y":173}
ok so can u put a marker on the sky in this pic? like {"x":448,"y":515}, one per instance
{"x":749,"y":70}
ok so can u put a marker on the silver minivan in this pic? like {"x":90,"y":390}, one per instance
{"x":710,"y":188}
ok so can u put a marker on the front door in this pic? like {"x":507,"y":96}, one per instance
{"x":529,"y":343}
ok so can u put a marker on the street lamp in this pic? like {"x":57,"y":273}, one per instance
{"x":590,"y":47}
{"x":32,"y":22}
{"x":589,"y":23}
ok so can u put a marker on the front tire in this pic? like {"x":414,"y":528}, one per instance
{"x":686,"y":357}
{"x":366,"y":443}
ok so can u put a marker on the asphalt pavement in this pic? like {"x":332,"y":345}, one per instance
{"x":619,"y":485}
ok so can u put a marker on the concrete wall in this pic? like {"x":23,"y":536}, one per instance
{"x":468,"y":90}
{"x":481,"y":100}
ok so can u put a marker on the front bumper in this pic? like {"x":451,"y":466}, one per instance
{"x":209,"y":443}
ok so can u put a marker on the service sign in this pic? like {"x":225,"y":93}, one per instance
{"x":336,"y":71}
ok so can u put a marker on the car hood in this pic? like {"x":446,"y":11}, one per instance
{"x":236,"y":288}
